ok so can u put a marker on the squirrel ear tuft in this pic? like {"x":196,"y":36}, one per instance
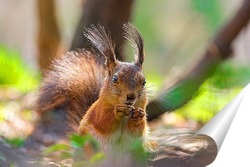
{"x":132,"y":35}
{"x":101,"y":40}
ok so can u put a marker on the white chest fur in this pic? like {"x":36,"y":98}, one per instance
{"x":118,"y":147}
{"x":121,"y":140}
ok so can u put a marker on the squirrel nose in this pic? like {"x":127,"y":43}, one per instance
{"x":131,"y":97}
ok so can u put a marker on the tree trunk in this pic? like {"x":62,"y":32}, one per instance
{"x":48,"y":33}
{"x":109,"y":13}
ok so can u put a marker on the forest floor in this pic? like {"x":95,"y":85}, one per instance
{"x":18,"y":120}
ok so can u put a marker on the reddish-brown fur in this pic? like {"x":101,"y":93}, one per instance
{"x":103,"y":96}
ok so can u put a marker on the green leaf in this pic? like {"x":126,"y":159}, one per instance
{"x":78,"y":141}
{"x":55,"y":148}
{"x":139,"y":151}
{"x":18,"y":142}
{"x":96,"y":157}
{"x":66,"y":155}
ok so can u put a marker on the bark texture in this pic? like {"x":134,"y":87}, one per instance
{"x":109,"y":13}
{"x":48,"y":33}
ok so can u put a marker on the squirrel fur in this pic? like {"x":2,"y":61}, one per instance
{"x":102,"y":96}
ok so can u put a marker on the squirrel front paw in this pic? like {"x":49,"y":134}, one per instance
{"x":122,"y":110}
{"x":136,"y":114}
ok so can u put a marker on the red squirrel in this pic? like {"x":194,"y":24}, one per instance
{"x":104,"y":97}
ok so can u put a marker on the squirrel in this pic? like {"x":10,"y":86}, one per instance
{"x":103,"y":96}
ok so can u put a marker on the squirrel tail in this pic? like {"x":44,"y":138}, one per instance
{"x":72,"y":84}
{"x":75,"y":80}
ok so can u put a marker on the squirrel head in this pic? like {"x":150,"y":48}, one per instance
{"x":125,"y":81}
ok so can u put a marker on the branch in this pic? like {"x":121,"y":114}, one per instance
{"x":180,"y":147}
{"x":219,"y":49}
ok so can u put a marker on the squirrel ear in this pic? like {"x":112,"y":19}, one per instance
{"x":101,"y":40}
{"x":132,"y":35}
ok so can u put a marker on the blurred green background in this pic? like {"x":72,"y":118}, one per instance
{"x":175,"y":33}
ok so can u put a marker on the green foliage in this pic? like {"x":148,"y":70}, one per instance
{"x":211,"y":10}
{"x":14,"y":73}
{"x":78,"y":141}
{"x":96,"y":157}
{"x":138,"y":151}
{"x":56,"y":148}
{"x":217,"y":91}
{"x":231,"y":74}
{"x":18,"y":142}
{"x":75,"y":151}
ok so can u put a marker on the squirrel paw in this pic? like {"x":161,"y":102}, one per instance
{"x":137,"y":114}
{"x":122,"y":110}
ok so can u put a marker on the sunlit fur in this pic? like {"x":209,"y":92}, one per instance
{"x":117,"y":134}
{"x":130,"y":80}
{"x":81,"y":82}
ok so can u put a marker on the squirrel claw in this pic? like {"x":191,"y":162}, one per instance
{"x":137,"y":114}
{"x":122,"y":110}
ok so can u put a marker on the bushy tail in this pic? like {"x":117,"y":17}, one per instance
{"x":73,"y":84}
{"x":75,"y":80}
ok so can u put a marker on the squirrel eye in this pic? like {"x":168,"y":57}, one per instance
{"x":144,"y":83}
{"x":114,"y":79}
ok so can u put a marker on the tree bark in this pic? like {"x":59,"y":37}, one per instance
{"x":48,"y":33}
{"x":186,"y":87}
{"x":109,"y":13}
